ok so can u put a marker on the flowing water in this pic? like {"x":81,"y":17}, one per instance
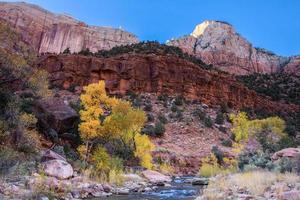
{"x":179,"y":190}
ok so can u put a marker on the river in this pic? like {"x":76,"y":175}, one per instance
{"x":179,"y":190}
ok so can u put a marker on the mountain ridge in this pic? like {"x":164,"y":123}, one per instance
{"x":217,"y":43}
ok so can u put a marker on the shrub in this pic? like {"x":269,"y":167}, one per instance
{"x":208,"y":170}
{"x":85,"y":52}
{"x":162,"y":97}
{"x":159,"y":129}
{"x":222,"y":129}
{"x":8,"y":159}
{"x":101,"y":160}
{"x":67,"y":51}
{"x":178,"y":101}
{"x":208,"y":122}
{"x":166,"y":168}
{"x":132,"y":95}
{"x":218,"y":154}
{"x":219,"y":118}
{"x":257,"y":159}
{"x":284,"y":165}
{"x":148,"y":107}
{"x":149,"y":130}
{"x":3,"y":129}
{"x":296,"y":164}
{"x":224,"y":108}
{"x":227,"y":142}
{"x":211,"y":167}
{"x":162,"y":119}
{"x":199,"y":113}
{"x":137,"y":103}
{"x":150,"y":117}
{"x":178,"y":114}
{"x":174,"y":108}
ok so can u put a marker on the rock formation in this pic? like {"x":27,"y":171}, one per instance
{"x":56,"y":114}
{"x":219,"y":44}
{"x":155,"y":74}
{"x":48,"y":32}
{"x":293,"y":66}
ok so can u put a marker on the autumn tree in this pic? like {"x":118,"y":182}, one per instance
{"x":243,"y":128}
{"x":95,"y":104}
{"x":143,"y":150}
{"x":104,"y":119}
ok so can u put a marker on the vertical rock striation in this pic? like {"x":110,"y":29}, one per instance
{"x":48,"y":32}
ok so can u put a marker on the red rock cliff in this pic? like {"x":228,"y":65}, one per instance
{"x":49,"y":32}
{"x":155,"y":74}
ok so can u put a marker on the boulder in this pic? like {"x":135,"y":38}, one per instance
{"x":199,"y":181}
{"x":122,"y":191}
{"x":156,"y":177}
{"x":56,"y":114}
{"x":132,"y":178}
{"x":290,"y":195}
{"x":51,"y":155}
{"x":58,"y":168}
{"x":288,"y":152}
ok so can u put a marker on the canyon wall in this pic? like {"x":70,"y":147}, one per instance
{"x":161,"y":74}
{"x":217,"y":43}
{"x":49,"y":32}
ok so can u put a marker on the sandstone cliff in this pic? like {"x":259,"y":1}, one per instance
{"x":155,"y":74}
{"x":293,"y":66}
{"x":48,"y":32}
{"x":219,"y":44}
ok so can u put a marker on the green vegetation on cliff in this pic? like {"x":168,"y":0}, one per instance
{"x":278,"y":86}
{"x":146,"y":48}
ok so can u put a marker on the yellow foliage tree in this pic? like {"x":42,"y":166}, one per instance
{"x":143,"y":150}
{"x":95,"y":103}
{"x":211,"y":167}
{"x":106,"y":118}
{"x":243,"y":127}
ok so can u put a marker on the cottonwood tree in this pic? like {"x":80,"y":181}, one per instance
{"x":104,"y":119}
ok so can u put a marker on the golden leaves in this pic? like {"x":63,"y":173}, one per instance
{"x":144,"y":146}
{"x":243,"y":127}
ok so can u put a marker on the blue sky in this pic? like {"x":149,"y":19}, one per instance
{"x":270,"y":24}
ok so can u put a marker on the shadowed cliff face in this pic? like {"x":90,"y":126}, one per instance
{"x":219,"y":44}
{"x":155,"y":74}
{"x":48,"y":32}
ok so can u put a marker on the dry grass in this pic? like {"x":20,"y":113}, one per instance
{"x":256,"y":182}
{"x":166,"y":168}
{"x":116,"y":177}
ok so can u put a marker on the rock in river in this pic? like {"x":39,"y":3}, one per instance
{"x":155,"y":177}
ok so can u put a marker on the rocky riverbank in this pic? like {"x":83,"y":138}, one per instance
{"x":58,"y":180}
{"x":44,"y":187}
